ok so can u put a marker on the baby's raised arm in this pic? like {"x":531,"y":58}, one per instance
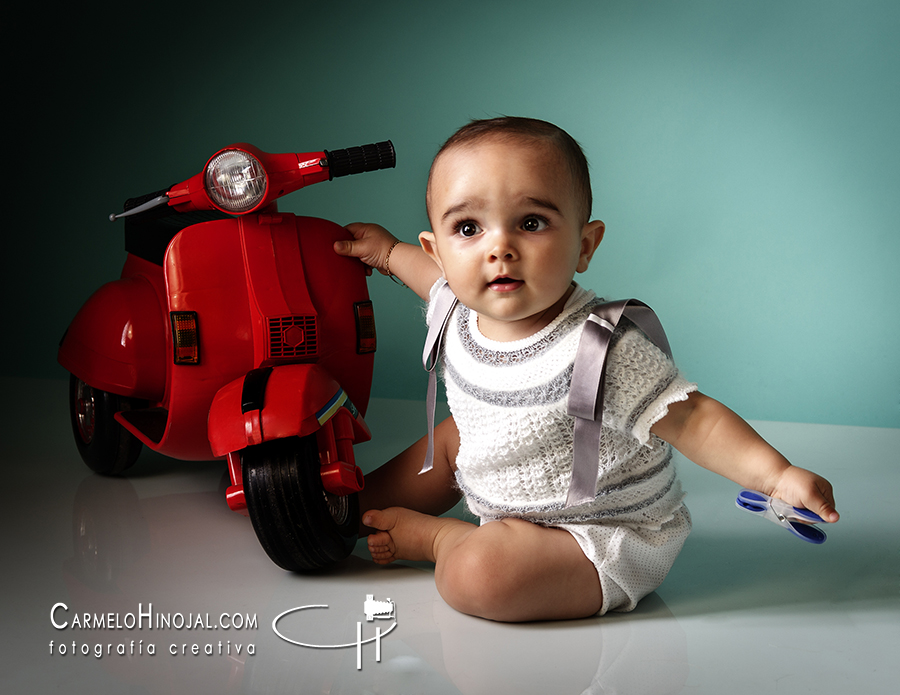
{"x":714,"y":437}
{"x":379,"y":249}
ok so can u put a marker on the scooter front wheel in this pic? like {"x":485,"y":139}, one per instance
{"x":105,"y":446}
{"x":299,"y":525}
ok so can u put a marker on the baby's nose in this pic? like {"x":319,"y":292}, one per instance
{"x":503,"y":245}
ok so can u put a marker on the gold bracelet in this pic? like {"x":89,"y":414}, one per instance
{"x":387,"y":265}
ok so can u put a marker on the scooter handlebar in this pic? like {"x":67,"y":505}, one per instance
{"x":356,"y":160}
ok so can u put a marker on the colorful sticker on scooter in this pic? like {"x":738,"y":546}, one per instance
{"x":337,"y":401}
{"x":326,"y":413}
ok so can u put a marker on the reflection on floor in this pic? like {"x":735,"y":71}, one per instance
{"x":102,"y":572}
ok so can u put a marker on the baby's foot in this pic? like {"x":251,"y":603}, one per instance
{"x":402,"y":534}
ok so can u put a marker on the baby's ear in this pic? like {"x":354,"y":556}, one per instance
{"x":591,"y":236}
{"x":429,"y":246}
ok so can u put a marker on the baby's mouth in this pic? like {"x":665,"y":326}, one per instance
{"x":505,"y":284}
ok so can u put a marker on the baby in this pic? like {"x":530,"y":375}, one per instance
{"x":509,"y":203}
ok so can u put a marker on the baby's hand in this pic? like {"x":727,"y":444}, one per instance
{"x":802,"y":488}
{"x":371,"y":244}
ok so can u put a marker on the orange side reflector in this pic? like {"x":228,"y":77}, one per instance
{"x":365,"y":327}
{"x":185,"y":337}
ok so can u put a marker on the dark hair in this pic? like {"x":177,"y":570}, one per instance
{"x":515,"y":127}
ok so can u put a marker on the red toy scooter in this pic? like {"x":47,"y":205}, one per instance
{"x":236,"y":332}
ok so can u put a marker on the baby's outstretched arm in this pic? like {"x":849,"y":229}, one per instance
{"x":714,"y":437}
{"x":379,"y":249}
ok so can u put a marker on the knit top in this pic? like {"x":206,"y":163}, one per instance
{"x":508,"y":400}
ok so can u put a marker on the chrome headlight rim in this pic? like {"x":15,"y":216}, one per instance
{"x":235,"y":181}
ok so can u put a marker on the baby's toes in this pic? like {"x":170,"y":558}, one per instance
{"x":381,"y":547}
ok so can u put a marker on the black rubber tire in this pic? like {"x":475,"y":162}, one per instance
{"x":105,"y":446}
{"x":301,"y":527}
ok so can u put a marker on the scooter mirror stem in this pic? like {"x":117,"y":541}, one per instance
{"x":149,"y":205}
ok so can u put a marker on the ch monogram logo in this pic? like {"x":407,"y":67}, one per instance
{"x":372,"y":610}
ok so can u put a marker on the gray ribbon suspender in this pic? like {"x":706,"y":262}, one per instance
{"x":586,"y":392}
{"x":585,"y":402}
{"x":444,"y":302}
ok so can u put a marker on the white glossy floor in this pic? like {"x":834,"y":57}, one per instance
{"x":746,"y":609}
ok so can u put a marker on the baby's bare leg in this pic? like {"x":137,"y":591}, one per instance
{"x":509,"y":570}
{"x":398,"y":484}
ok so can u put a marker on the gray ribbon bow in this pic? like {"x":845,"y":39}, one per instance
{"x":586,"y":391}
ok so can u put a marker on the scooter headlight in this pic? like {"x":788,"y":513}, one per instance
{"x":235,"y":181}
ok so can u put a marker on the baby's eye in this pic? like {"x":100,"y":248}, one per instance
{"x":534,"y":224}
{"x":467,"y":229}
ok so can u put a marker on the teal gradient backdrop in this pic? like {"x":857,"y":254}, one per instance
{"x":745,"y":158}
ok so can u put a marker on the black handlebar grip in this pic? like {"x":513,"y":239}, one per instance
{"x":356,"y":160}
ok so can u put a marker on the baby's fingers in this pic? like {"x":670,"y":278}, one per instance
{"x":827,"y":511}
{"x":357,"y":229}
{"x":820,"y":499}
{"x":803,"y":488}
{"x":343,"y":248}
{"x":352,"y":250}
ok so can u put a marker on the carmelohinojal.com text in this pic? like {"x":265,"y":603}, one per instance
{"x":147,"y":619}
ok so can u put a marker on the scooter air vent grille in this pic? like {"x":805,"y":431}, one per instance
{"x":292,"y":337}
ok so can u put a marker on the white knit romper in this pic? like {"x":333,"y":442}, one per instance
{"x":515,"y":458}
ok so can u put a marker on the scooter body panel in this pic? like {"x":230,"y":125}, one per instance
{"x":117,"y":340}
{"x":259,"y":301}
{"x":337,"y":285}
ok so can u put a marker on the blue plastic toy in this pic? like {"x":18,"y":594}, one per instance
{"x":795,"y":519}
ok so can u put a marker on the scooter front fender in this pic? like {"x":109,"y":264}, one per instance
{"x":293,"y":400}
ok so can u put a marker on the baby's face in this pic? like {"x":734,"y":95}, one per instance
{"x":507,"y":233}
